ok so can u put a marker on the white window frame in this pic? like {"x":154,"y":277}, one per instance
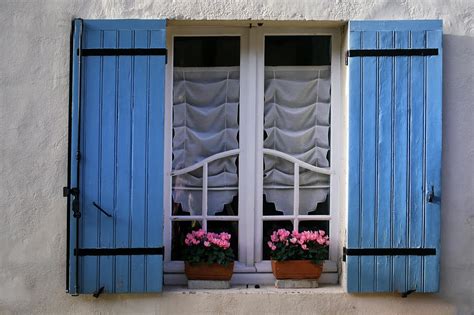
{"x":251,"y":150}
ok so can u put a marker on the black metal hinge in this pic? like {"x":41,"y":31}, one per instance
{"x":70,"y":191}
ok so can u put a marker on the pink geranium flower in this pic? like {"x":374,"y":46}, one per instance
{"x":311,"y":245}
{"x":216,"y":247}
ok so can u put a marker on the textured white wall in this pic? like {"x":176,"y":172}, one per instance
{"x":34,"y":66}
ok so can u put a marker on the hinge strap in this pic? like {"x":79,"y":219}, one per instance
{"x":390,"y":53}
{"x":119,"y":251}
{"x":389,"y":251}
{"x":86,"y":52}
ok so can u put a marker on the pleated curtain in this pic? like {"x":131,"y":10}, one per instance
{"x":205,"y":122}
{"x":296,"y":122}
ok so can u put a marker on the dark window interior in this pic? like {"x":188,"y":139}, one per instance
{"x":211,"y":51}
{"x":297,"y":50}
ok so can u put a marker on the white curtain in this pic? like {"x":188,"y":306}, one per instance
{"x":297,"y":122}
{"x":205,"y":122}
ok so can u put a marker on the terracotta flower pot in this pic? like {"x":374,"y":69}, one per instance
{"x":204,"y":271}
{"x":296,"y":269}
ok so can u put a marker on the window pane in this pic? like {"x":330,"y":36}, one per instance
{"x":206,"y":90}
{"x":187,"y":193}
{"x":179,"y":229}
{"x":314,"y":226}
{"x":318,"y":208}
{"x":268,"y":228}
{"x":229,"y":209}
{"x":297,"y":50}
{"x":216,"y":51}
{"x":223,"y":186}
{"x":269,"y":207}
{"x":296,"y":120}
{"x":231,"y":227}
{"x":314,"y":193}
{"x":277,"y":186}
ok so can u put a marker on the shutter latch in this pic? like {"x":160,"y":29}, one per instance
{"x":75,"y":201}
{"x":430,"y":195}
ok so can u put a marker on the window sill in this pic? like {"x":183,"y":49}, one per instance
{"x":260,"y":274}
{"x":265,"y":289}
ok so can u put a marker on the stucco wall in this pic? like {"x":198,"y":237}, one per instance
{"x":34,"y":65}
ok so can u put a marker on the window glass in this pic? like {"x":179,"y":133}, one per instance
{"x":268,"y":228}
{"x":297,"y":99}
{"x":297,"y":50}
{"x":215,"y":51}
{"x":206,"y":91}
{"x":231,"y":227}
{"x":179,"y":230}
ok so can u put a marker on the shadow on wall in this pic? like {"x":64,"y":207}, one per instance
{"x":457,"y":207}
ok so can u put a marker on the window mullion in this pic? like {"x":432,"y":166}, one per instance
{"x":258,"y":42}
{"x":296,"y":193}
{"x":247,"y":150}
{"x":205,"y":174}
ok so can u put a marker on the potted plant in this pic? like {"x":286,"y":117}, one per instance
{"x":298,"y":255}
{"x":208,"y":256}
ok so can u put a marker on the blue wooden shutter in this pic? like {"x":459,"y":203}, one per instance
{"x":115,"y":184}
{"x":395,"y":93}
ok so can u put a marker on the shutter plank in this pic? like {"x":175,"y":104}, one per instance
{"x":433,"y":160}
{"x":400,"y":189}
{"x":139,"y":161}
{"x":415,"y":220}
{"x":124,"y":156}
{"x":90,"y":162}
{"x":368,"y":176}
{"x":384,"y":163}
{"x":107,"y":162}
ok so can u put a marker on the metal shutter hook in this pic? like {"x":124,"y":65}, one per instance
{"x":101,"y":210}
